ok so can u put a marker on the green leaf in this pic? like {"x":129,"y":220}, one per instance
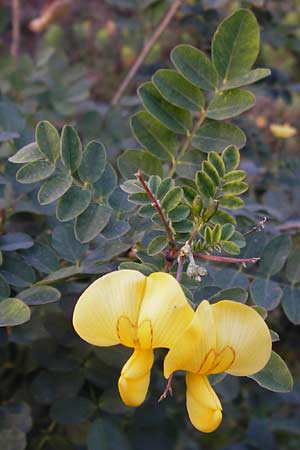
{"x":204,"y":184}
{"x":293,"y":266}
{"x":56,"y":186}
{"x":195,"y":66}
{"x":143,"y":268}
{"x":178,"y":91}
{"x":15,"y":241}
{"x":132,"y":160}
{"x":217,"y":136}
{"x":39,"y":295}
{"x":153,"y":183}
{"x":230,"y":202}
{"x":72,"y":203}
{"x":223,"y":217}
{"x":172,"y":199}
{"x":154,"y":136}
{"x":189,"y":163}
{"x":139,"y":198}
{"x":72,"y":411}
{"x":275,"y":376}
{"x":13,"y":312}
{"x":41,"y":257}
{"x":246,"y":78}
{"x":211,"y":171}
{"x":235,"y":45}
{"x":33,"y":172}
{"x":237,"y":294}
{"x":227,"y":231}
{"x":93,"y":162}
{"x":291,"y":303}
{"x":91,"y":222}
{"x":4,"y":288}
{"x":119,"y":201}
{"x":105,"y":435}
{"x":174,"y":118}
{"x":65,"y":243}
{"x":157,"y":245}
{"x":48,"y":140}
{"x":266,"y":293}
{"x":230,"y":103}
{"x":29,"y":153}
{"x":179,"y":213}
{"x":106,"y":184}
{"x":230,"y":247}
{"x":235,"y":175}
{"x":275,"y":255}
{"x":217,"y":162}
{"x":231,"y":158}
{"x":184,"y":226}
{"x":234,"y":188}
{"x":71,"y":150}
{"x":16,"y":272}
{"x":216,"y":233}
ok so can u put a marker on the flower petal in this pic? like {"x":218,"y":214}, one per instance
{"x":203,"y":405}
{"x":97,"y":312}
{"x":135,"y":377}
{"x":165,"y":305}
{"x":241,"y":328}
{"x":192,"y":351}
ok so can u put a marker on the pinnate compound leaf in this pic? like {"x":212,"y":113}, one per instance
{"x":235,"y":45}
{"x":231,"y":103}
{"x":217,"y":136}
{"x":274,"y":255}
{"x":56,"y":186}
{"x":91,"y":222}
{"x":35,"y":171}
{"x":71,"y":149}
{"x":13,"y":312}
{"x":39,"y":295}
{"x":157,"y":245}
{"x":174,"y":118}
{"x":275,"y":376}
{"x":231,"y":158}
{"x":178,"y":91}
{"x":195,"y":66}
{"x":246,"y":78}
{"x":93,"y":162}
{"x":72,"y":203}
{"x":48,"y":140}
{"x":29,"y":153}
{"x":132,"y":160}
{"x":291,"y":303}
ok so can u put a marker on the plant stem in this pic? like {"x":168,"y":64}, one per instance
{"x":226,"y":259}
{"x":15,"y":44}
{"x":187,"y":142}
{"x":175,"y":5}
{"x":157,"y":206}
{"x":259,"y":227}
{"x":168,"y":389}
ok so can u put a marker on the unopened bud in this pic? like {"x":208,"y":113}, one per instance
{"x":210,"y":211}
{"x":197,"y":206}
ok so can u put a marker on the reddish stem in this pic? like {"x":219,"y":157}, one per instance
{"x":225,"y":259}
{"x":168,"y":389}
{"x":258,"y":227}
{"x":157,"y":206}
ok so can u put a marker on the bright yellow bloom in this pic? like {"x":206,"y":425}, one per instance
{"x":283,"y":131}
{"x":126,"y":307}
{"x":224,"y":337}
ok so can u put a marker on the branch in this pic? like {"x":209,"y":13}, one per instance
{"x":226,"y":259}
{"x":175,"y":5}
{"x":259,"y":227}
{"x":15,"y":44}
{"x":157,"y":206}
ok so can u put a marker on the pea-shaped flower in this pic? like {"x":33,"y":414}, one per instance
{"x":126,"y":307}
{"x":224,"y":337}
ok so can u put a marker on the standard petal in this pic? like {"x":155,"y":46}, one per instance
{"x":135,"y":377}
{"x":166,"y":307}
{"x":203,"y":405}
{"x":194,"y":349}
{"x":107,"y":311}
{"x":242,"y":329}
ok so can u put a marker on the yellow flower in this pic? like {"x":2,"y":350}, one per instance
{"x":283,"y":131}
{"x":126,"y":307}
{"x":224,"y":337}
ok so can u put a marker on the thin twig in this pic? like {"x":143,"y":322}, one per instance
{"x":259,"y":227}
{"x":226,"y":259}
{"x":175,"y":5}
{"x":157,"y":206}
{"x":168,"y":389}
{"x":15,"y":43}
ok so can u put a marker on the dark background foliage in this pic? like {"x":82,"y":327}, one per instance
{"x":56,"y":391}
